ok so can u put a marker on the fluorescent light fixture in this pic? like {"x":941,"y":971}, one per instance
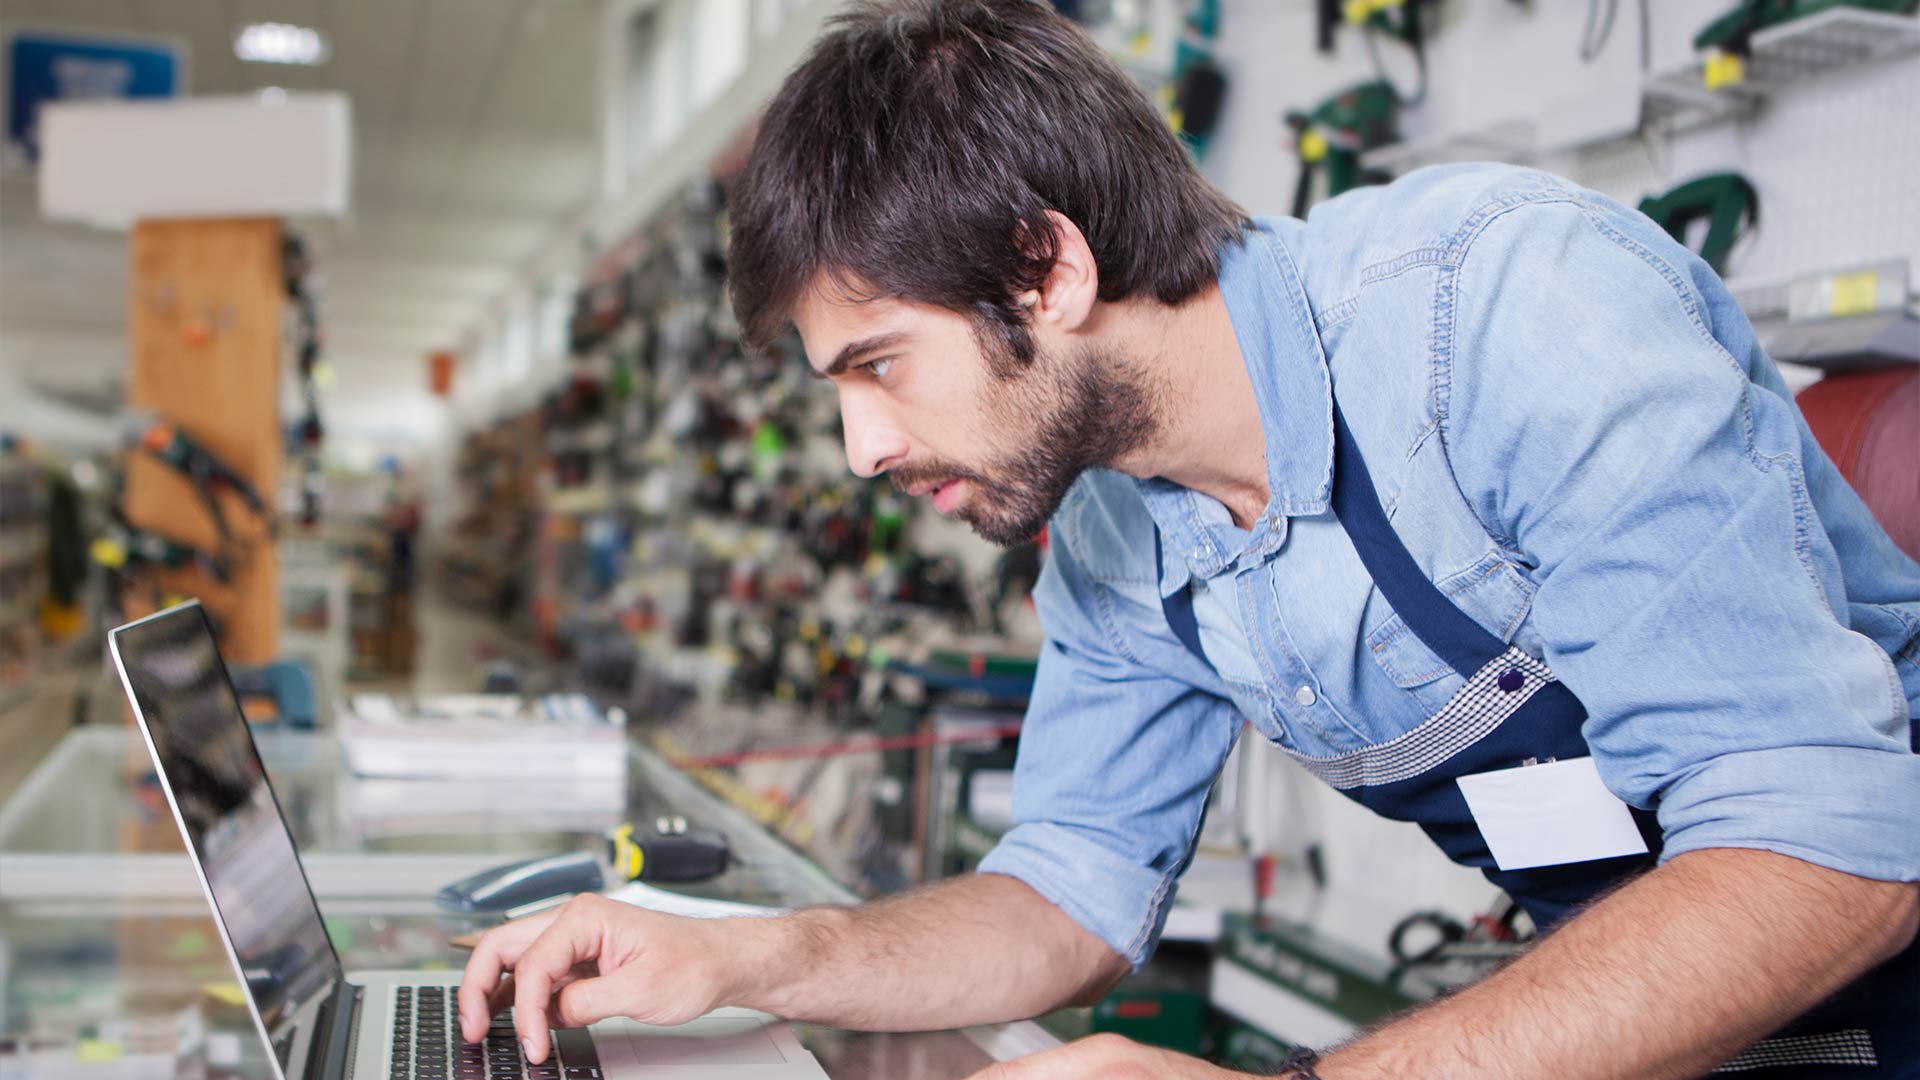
{"x":280,"y":43}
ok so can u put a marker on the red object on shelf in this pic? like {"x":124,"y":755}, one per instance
{"x":440,"y":373}
{"x":1868,"y":422}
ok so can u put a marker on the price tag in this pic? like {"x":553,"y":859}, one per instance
{"x":1854,"y":294}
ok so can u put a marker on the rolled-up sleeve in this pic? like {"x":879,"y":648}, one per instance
{"x":1686,"y":590}
{"x":1116,"y":761}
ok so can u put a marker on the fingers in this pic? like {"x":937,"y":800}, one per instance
{"x":583,"y":1002}
{"x":572,"y":937}
{"x":497,"y":952}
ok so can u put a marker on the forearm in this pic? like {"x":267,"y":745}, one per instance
{"x":978,"y":949}
{"x":1642,"y":984}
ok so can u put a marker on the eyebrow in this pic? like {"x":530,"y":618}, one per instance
{"x":855,"y":351}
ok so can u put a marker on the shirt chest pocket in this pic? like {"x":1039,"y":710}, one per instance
{"x":1491,"y":591}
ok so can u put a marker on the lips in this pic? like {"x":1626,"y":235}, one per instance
{"x":946,"y":497}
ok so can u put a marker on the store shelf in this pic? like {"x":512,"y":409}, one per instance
{"x":21,"y":546}
{"x":1838,"y":39}
{"x":1835,"y":39}
{"x":1512,"y":141}
{"x":1676,"y":101}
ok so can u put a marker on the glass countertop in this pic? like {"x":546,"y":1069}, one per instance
{"x":109,"y":958}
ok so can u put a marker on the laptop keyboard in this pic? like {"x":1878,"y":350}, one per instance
{"x":427,"y":1045}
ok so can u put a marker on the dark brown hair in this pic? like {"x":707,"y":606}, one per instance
{"x":915,"y":151}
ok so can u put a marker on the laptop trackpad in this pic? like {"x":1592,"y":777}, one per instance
{"x":710,"y":1040}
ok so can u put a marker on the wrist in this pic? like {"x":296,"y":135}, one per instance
{"x":766,"y":959}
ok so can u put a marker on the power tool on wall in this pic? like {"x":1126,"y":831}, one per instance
{"x":1728,"y":40}
{"x":1334,"y":135}
{"x":1198,"y":88}
{"x":1728,"y":204}
{"x":1406,"y":22}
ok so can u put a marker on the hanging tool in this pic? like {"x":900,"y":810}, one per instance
{"x":1333,"y":136}
{"x":209,"y":475}
{"x":1726,"y":201}
{"x":123,"y":546}
{"x":1199,"y":86}
{"x":1405,"y":21}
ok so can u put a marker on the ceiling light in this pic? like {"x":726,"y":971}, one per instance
{"x":280,"y":43}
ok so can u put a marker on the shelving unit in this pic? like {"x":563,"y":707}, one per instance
{"x":23,"y":573}
{"x":1677,"y":100}
{"x":1511,"y":141}
{"x":1832,"y":40}
{"x":1837,"y":39}
{"x":484,"y":558}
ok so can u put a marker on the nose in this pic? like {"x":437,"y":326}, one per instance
{"x":874,"y":443}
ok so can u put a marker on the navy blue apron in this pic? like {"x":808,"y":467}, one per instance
{"x":1513,"y":711}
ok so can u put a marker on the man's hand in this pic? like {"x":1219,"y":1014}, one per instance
{"x":590,"y":959}
{"x":1105,"y":1057}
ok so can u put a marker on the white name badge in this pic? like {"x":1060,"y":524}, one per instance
{"x":1550,"y":814}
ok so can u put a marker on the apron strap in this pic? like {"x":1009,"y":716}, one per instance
{"x":1179,"y":610}
{"x":1465,"y":645}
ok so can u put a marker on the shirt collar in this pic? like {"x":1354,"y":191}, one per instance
{"x":1273,"y":324}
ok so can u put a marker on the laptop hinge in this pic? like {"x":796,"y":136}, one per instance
{"x":329,"y":1056}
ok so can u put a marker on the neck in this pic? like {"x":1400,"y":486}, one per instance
{"x":1210,"y":437}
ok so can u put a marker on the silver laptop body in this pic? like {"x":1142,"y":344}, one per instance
{"x":317,"y":1021}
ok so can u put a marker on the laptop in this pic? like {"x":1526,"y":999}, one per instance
{"x":316,"y":1020}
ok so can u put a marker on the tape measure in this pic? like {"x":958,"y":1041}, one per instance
{"x":671,"y":852}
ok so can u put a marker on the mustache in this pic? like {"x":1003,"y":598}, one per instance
{"x":916,"y":474}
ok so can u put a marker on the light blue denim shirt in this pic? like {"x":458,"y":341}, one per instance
{"x":1580,"y":441}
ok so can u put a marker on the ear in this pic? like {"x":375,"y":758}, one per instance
{"x":1066,"y":297}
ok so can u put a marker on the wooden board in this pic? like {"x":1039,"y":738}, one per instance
{"x":206,"y":300}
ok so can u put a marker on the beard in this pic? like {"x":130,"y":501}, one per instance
{"x":1064,"y":415}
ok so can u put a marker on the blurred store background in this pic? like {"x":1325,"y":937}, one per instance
{"x":396,"y":331}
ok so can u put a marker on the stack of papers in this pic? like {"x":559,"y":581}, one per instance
{"x":560,"y":737}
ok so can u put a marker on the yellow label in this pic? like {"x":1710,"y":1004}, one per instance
{"x":227,"y":994}
{"x":109,"y":554}
{"x":1358,"y":10}
{"x":1723,"y":69}
{"x":95,"y":1052}
{"x":1854,"y":294}
{"x":1313,"y":146}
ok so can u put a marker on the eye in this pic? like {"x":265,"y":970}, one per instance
{"x":879,"y":368}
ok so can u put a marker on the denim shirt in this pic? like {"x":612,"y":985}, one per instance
{"x":1582,"y":444}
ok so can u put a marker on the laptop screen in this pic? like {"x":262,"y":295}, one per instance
{"x":228,"y":812}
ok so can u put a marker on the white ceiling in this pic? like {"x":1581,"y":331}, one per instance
{"x":476,"y":130}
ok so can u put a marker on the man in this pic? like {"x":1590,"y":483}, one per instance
{"x":1468,"y":472}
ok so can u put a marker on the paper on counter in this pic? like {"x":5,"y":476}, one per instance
{"x":643,"y":895}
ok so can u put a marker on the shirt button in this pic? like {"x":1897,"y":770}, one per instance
{"x":1305,"y":695}
{"x":1511,"y":680}
{"x":1279,"y":523}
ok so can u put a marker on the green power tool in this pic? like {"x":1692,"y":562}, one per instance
{"x":1336,"y":132}
{"x":1725,"y":201}
{"x":1728,"y":40}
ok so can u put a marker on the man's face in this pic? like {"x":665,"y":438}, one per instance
{"x":996,"y":445}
